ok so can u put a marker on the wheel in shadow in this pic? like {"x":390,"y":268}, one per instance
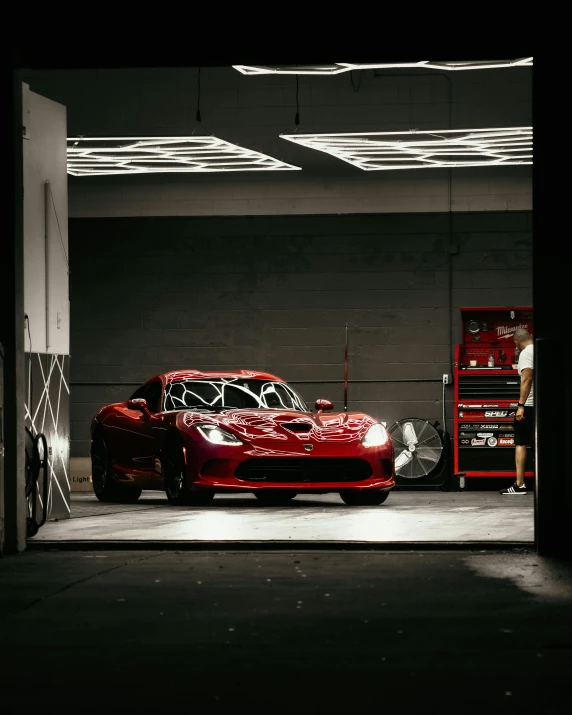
{"x":275,"y":497}
{"x":105,"y":487}
{"x":174,"y":475}
{"x":366,"y":498}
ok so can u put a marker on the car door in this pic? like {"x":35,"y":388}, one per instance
{"x":149,"y":429}
{"x":121,"y":427}
{"x":131,"y":438}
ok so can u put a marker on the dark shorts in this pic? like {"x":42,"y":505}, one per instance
{"x":524,"y":430}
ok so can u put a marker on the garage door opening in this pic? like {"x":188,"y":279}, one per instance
{"x":222,"y":272}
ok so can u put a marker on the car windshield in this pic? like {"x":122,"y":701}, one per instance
{"x":231,"y":393}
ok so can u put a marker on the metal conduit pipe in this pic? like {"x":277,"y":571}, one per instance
{"x":47,"y":259}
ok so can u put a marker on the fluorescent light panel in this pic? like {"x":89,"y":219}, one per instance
{"x":339,"y":67}
{"x":378,"y":151}
{"x":98,"y":156}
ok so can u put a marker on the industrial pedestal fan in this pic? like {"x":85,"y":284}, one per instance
{"x":421,"y":453}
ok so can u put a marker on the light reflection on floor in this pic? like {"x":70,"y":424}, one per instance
{"x":405,"y":517}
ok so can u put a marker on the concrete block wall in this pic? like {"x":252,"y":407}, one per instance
{"x":275,"y":292}
{"x":482,"y":189}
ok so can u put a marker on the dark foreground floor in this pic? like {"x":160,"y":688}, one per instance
{"x":267,"y":632}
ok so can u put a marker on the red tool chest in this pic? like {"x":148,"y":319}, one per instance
{"x":486,"y":395}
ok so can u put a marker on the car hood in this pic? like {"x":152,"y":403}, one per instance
{"x":283,"y":426}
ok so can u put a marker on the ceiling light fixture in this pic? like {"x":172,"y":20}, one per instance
{"x":375,"y":151}
{"x":98,"y":156}
{"x":339,"y":67}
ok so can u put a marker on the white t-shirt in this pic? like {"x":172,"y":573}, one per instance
{"x":526,"y":359}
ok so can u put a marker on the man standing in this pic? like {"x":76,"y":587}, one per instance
{"x":524,"y":420}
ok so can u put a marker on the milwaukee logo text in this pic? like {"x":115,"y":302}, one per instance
{"x":506,"y":331}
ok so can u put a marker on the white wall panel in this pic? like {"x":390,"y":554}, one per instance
{"x":45,"y":160}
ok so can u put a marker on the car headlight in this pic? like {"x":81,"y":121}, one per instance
{"x":376,"y":436}
{"x":218,"y":435}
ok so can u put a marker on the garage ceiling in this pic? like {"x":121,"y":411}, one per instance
{"x":253,"y":112}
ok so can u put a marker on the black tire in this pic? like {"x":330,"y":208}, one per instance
{"x":105,"y":487}
{"x":366,"y":498}
{"x":174,"y":475}
{"x":275,"y":497}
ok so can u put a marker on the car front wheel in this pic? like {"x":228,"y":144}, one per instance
{"x":355,"y":498}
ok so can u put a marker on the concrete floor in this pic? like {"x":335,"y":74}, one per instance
{"x":406,"y":517}
{"x":285,"y":632}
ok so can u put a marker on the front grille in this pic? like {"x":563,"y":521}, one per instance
{"x":297,"y":426}
{"x":304,"y":469}
{"x":506,"y":387}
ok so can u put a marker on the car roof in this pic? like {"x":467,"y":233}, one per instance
{"x":176,"y":375}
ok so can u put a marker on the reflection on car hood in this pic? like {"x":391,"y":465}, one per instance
{"x":285,"y":426}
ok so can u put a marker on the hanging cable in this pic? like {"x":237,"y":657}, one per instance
{"x":356,"y":89}
{"x":36,"y":459}
{"x":198,"y":117}
{"x":30,"y":382}
{"x":198,"y":114}
{"x":297,"y":118}
{"x":59,"y":229}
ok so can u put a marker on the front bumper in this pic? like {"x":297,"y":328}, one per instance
{"x":226,"y":469}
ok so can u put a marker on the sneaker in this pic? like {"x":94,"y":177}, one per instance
{"x":514,"y":489}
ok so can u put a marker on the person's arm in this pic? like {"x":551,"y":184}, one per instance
{"x":525,"y":385}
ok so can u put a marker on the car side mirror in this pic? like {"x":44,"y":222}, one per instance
{"x":139,"y":403}
{"x":324,"y":405}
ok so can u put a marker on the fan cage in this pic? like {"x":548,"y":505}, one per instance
{"x":428,"y":448}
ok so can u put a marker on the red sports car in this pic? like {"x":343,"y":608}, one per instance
{"x":194,"y":434}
